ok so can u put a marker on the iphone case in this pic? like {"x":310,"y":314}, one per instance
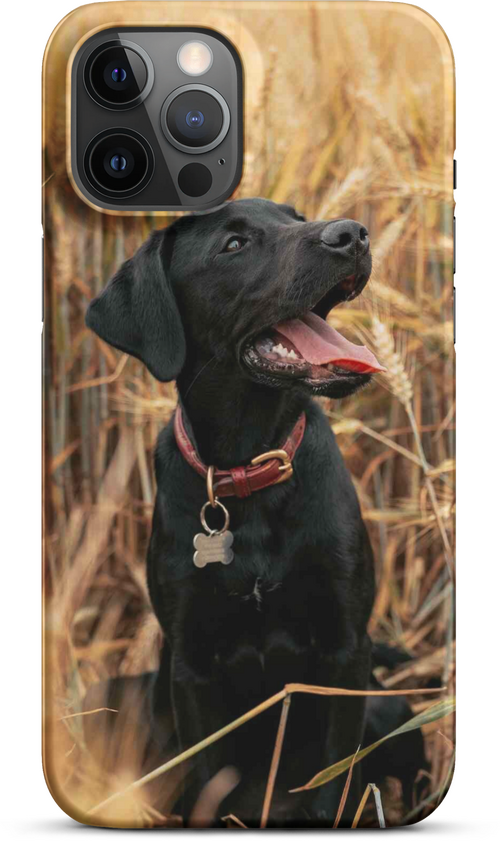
{"x":349,"y":113}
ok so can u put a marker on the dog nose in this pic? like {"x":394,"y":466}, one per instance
{"x":346,"y":237}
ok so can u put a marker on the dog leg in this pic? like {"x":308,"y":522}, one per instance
{"x":344,"y":736}
{"x":198,"y":712}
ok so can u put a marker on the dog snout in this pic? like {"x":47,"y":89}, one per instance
{"x":346,"y":237}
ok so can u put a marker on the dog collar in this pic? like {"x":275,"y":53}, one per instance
{"x":265,"y":470}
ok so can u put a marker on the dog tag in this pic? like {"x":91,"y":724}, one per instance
{"x":214,"y":546}
{"x":213,"y":549}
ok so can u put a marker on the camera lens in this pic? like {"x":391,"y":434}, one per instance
{"x":118,"y":74}
{"x":119,"y":163}
{"x":195,"y":118}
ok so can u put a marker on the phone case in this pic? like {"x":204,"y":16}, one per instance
{"x":349,"y":114}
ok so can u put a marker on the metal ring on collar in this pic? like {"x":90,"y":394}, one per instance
{"x":210,"y":486}
{"x":226,"y":518}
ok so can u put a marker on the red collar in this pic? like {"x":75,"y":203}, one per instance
{"x":267,"y":469}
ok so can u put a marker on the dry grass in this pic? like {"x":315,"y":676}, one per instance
{"x":373,"y":143}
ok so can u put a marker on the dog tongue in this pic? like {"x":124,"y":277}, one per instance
{"x":319,"y":344}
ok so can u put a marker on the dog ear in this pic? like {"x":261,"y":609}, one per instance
{"x":137,"y":313}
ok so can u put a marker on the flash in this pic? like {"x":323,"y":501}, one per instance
{"x":195,"y":58}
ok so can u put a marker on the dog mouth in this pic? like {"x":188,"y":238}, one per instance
{"x":308,"y":348}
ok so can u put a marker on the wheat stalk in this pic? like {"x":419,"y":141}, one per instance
{"x":401,"y":387}
{"x":391,"y":131}
{"x":392,"y":297}
{"x":347,"y":193}
{"x":388,"y":356}
{"x":391,"y":233}
{"x":411,"y":189}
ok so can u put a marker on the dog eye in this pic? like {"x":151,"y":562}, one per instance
{"x":234,"y":244}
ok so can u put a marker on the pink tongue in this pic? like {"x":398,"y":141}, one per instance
{"x":319,"y":344}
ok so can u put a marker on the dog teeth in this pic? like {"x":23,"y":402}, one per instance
{"x":280,"y":350}
{"x":284,"y":352}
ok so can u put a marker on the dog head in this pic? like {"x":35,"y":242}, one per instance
{"x":251,"y":284}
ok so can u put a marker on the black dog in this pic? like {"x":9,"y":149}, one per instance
{"x":232,"y":305}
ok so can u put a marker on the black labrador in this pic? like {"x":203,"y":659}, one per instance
{"x":232,"y":304}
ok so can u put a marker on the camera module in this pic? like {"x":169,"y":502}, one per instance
{"x":155,"y":118}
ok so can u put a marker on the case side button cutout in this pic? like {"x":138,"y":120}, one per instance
{"x":40,"y":283}
{"x":456,"y":174}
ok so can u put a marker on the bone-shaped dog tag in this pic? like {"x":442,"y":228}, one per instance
{"x":213,"y":549}
{"x":214,"y":546}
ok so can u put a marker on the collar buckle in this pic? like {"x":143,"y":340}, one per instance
{"x":286,"y":468}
